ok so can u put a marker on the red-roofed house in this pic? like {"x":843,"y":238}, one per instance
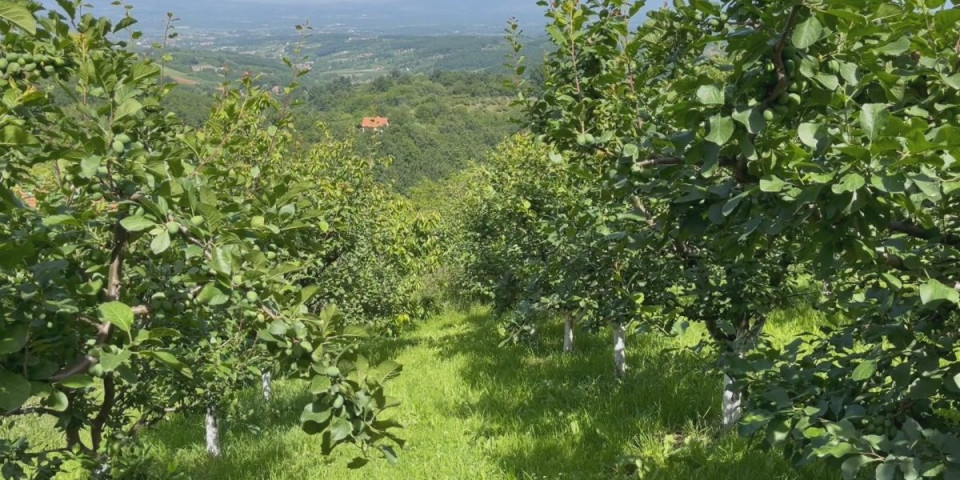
{"x":375,"y":124}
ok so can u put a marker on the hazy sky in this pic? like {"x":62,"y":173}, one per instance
{"x":390,"y":14}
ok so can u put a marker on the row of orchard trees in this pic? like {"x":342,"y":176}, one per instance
{"x":713,"y":161}
{"x":147,"y":268}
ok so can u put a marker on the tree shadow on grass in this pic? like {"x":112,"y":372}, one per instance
{"x":248,"y":423}
{"x":255,"y":435}
{"x":550,"y":415}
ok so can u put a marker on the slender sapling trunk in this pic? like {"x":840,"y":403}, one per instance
{"x":213,"y":432}
{"x":732,"y":406}
{"x":619,"y":350}
{"x":568,"y":334}
{"x":266,"y":382}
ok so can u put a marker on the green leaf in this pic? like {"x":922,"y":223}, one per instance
{"x":751,"y":118}
{"x":110,"y":361}
{"x":78,"y":381}
{"x":314,"y":412}
{"x":161,"y":242}
{"x":850,"y":182}
{"x":886,"y":471}
{"x":852,"y":465}
{"x":865,"y":370}
{"x":137,"y":223}
{"x":810,"y":134}
{"x":211,"y":295}
{"x":14,"y":390}
{"x":934,"y":291}
{"x":721,"y":130}
{"x":19,"y":16}
{"x":118,"y":314}
{"x":16,"y":136}
{"x":54,"y":220}
{"x":128,"y":108}
{"x":220,"y":261}
{"x":340,"y":429}
{"x":830,"y":82}
{"x":710,"y":95}
{"x":873,"y":119}
{"x":807,"y":33}
{"x":772,"y":184}
{"x":13,"y":339}
{"x":320,"y":384}
{"x":168,"y":359}
{"x":896,"y":47}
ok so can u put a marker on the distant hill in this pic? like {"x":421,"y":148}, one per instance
{"x":388,"y":16}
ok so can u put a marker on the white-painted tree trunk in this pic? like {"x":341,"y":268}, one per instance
{"x":619,"y":350}
{"x":732,"y":405}
{"x":266,"y":381}
{"x":213,"y":432}
{"x":568,"y":334}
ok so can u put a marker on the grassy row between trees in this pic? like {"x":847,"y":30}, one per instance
{"x":495,"y":413}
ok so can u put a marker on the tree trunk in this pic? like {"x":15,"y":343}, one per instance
{"x":619,"y":350}
{"x":568,"y":334}
{"x":213,"y":432}
{"x":266,"y":382}
{"x":732,"y":406}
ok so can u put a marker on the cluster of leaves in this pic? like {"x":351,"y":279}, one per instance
{"x":717,"y":157}
{"x":148,"y":268}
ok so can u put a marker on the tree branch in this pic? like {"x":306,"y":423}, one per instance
{"x":783,"y":80}
{"x":658,"y":162}
{"x":923,"y":233}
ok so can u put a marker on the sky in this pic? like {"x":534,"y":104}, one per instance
{"x":369,"y":14}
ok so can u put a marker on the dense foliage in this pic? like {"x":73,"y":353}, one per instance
{"x":148,"y":268}
{"x":714,"y":164}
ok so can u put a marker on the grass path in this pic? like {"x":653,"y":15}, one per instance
{"x":475,"y":411}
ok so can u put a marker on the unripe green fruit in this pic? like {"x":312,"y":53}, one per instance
{"x":252,"y":296}
{"x":13,"y":68}
{"x":794,"y":100}
{"x":29,"y":67}
{"x":173,"y":227}
{"x":118,"y":147}
{"x":768,"y":115}
{"x":123,"y":138}
{"x":96,"y":371}
{"x":13,"y":57}
{"x":196,"y":221}
{"x":4,"y":63}
{"x":271,"y":255}
{"x":237,"y":279}
{"x":49,"y":69}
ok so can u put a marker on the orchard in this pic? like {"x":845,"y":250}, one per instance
{"x":705,"y":165}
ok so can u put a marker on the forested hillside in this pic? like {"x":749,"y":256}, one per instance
{"x":438,"y":123}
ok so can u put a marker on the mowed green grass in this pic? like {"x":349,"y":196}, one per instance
{"x":473,"y":410}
